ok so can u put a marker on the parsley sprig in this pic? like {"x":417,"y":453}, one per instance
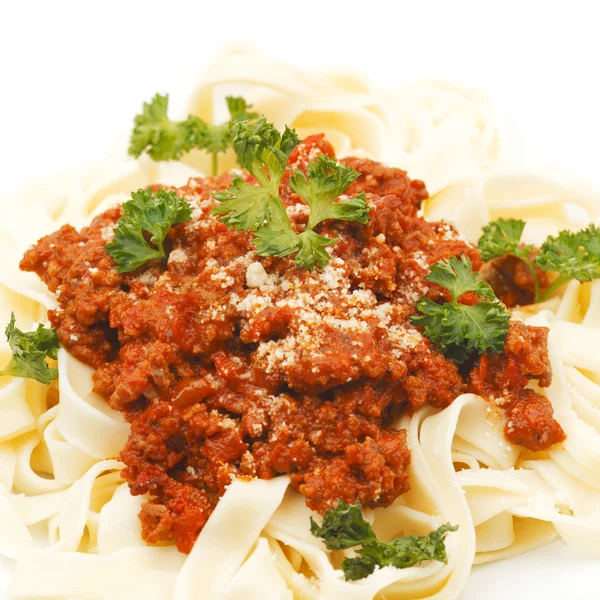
{"x":460,"y":330}
{"x":572,"y":255}
{"x":344,"y":527}
{"x":163,"y":139}
{"x":29,"y":352}
{"x":264,"y":152}
{"x":141,"y":231}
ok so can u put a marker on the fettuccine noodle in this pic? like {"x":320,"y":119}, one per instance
{"x":59,"y":443}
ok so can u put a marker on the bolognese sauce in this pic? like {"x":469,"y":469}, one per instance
{"x":227,"y":364}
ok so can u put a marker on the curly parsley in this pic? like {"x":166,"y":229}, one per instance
{"x":501,"y":237}
{"x":460,"y":330}
{"x":29,"y":352}
{"x":327,"y":180}
{"x":146,"y":215}
{"x":163,"y":139}
{"x":344,"y":527}
{"x":572,"y":255}
{"x":264,"y":152}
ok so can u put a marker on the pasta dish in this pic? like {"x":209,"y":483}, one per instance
{"x":319,"y":340}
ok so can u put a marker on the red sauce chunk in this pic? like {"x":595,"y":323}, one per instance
{"x":229,"y":365}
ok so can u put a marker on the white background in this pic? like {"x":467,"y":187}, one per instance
{"x":73,"y":74}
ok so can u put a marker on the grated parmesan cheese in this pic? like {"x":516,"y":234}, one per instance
{"x":177,"y":256}
{"x":256,"y":276}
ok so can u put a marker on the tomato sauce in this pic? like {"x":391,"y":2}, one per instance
{"x":229,"y":365}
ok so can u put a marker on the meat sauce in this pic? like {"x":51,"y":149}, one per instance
{"x":229,"y":365}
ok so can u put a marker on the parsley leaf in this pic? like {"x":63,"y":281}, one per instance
{"x":30,"y":351}
{"x":163,"y":139}
{"x":146,"y":215}
{"x":264,"y":152}
{"x":278,"y":238}
{"x":239,"y":109}
{"x":457,"y":276}
{"x":326,"y":181}
{"x":311,"y":250}
{"x":572,"y":256}
{"x":400,"y":553}
{"x":160,"y":137}
{"x":501,"y":237}
{"x":243,"y":206}
{"x":460,"y":330}
{"x":344,"y":527}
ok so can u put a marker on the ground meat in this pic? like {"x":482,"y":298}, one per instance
{"x":503,"y":377}
{"x":380,"y":180}
{"x":531,"y":422}
{"x":512,"y":281}
{"x":373,"y":471}
{"x":141,"y":370}
{"x":228,"y":364}
{"x":525,"y":357}
{"x":176,"y":512}
{"x":92,"y":281}
{"x":426,"y":369}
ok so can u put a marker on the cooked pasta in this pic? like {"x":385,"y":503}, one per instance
{"x":59,"y":444}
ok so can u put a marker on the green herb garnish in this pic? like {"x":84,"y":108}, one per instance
{"x":571,"y":255}
{"x":29,"y":352}
{"x":501,"y":237}
{"x":459,"y":330}
{"x":163,"y":139}
{"x":146,"y":215}
{"x":264,"y":152}
{"x":344,"y":527}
